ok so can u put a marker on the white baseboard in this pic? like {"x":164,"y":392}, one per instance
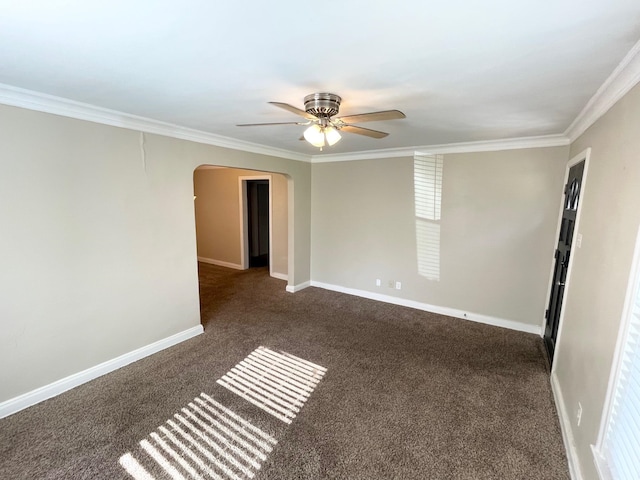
{"x":565,"y":427}
{"x":280,"y":276}
{"x":28,"y":399}
{"x":220,"y":263}
{"x":297,"y":288}
{"x":451,"y":312}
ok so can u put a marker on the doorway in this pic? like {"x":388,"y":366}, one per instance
{"x":256,"y":237}
{"x":221,"y":210}
{"x":568,"y":239}
{"x":258,"y":222}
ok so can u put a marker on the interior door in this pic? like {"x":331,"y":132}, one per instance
{"x":563,"y":255}
{"x":258,"y":222}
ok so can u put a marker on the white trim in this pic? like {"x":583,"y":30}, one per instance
{"x":41,"y":102}
{"x":291,"y":275}
{"x":616,"y":365}
{"x":212,"y":167}
{"x":622,"y":79}
{"x":565,"y":428}
{"x":243,"y":212}
{"x":585,"y":156}
{"x":463,"y":147}
{"x":280,"y":276}
{"x":451,"y":312}
{"x":220,"y":263}
{"x":600,"y":462}
{"x":297,"y":288}
{"x":244,"y":220}
{"x":28,"y":399}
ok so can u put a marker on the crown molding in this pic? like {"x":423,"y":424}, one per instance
{"x":41,"y":102}
{"x":463,"y":147}
{"x":622,"y":79}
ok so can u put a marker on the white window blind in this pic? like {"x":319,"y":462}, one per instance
{"x":618,"y":452}
{"x":427,"y":180}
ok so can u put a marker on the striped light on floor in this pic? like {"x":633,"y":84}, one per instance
{"x":277,"y":382}
{"x":204,"y":440}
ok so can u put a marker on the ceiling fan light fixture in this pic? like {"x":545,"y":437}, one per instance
{"x":320,"y":136}
{"x":332,"y":135}
{"x":315,"y":135}
{"x":320,"y":110}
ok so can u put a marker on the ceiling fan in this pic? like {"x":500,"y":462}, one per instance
{"x":320,"y":110}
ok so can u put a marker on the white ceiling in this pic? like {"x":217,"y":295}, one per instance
{"x":461,"y":70}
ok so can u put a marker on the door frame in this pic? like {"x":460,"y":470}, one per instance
{"x":244,"y":219}
{"x":582,"y":156}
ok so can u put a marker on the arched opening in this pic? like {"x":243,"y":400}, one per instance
{"x":241,"y":222}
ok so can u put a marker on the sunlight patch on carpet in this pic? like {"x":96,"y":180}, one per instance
{"x":204,"y":440}
{"x":276,"y":382}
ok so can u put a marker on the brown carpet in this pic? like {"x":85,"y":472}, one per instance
{"x":406,"y":394}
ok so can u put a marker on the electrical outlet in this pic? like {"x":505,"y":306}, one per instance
{"x":579,"y":413}
{"x":398,"y":285}
{"x":378,"y":282}
{"x":391,"y":283}
{"x":579,"y":240}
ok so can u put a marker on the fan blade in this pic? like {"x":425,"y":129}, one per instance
{"x":261,"y":124}
{"x":373,"y":116}
{"x":363,"y":131}
{"x":295,"y":110}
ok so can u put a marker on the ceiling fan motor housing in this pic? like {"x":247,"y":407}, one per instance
{"x":323,"y":105}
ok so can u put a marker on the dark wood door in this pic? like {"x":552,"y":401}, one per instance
{"x":258,"y":222}
{"x":563,"y":255}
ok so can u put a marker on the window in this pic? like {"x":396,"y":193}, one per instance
{"x":617,"y":453}
{"x":427,"y":178}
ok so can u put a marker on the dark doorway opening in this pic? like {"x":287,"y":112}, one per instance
{"x":258,"y":222}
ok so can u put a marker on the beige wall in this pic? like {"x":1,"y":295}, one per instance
{"x":98,"y":247}
{"x":499,"y":215}
{"x":217,"y":210}
{"x":600,"y":272}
